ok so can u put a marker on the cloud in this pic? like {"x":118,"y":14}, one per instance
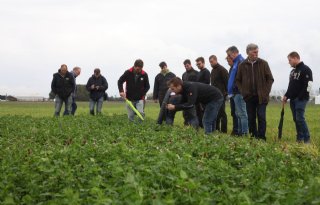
{"x":38,"y":36}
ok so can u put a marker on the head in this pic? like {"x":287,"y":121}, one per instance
{"x":187,"y":64}
{"x":213,"y":60}
{"x":229,"y":60}
{"x":77,"y":70}
{"x":200,"y":63}
{"x":96,"y":72}
{"x":175,"y":84}
{"x":163,"y":65}
{"x":252,"y":51}
{"x":63,"y":69}
{"x":232,"y":52}
{"x":138,"y":65}
{"x":294,"y":59}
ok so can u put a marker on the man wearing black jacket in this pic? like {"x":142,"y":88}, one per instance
{"x":194,"y":92}
{"x":96,"y":85}
{"x":137,"y":86}
{"x":298,"y":92}
{"x":62,"y":86}
{"x":219,"y":79}
{"x":160,"y":83}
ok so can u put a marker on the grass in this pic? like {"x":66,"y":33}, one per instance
{"x":45,"y":109}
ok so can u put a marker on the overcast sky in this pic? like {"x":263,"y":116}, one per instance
{"x":37,"y":36}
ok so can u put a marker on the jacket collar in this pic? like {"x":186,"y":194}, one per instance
{"x":132,"y":70}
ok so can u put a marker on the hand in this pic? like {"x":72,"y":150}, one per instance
{"x":171,"y":107}
{"x":97,"y":87}
{"x":92,"y":87}
{"x":123,"y":95}
{"x":284,"y":99}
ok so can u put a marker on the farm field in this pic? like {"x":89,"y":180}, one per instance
{"x":107,"y":160}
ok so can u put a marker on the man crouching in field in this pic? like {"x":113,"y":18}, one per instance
{"x":194,"y":92}
{"x":137,"y":85}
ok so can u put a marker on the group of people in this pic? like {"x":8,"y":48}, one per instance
{"x":201,"y":95}
{"x":63,"y":89}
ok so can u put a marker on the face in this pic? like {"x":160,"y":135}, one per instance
{"x":229,"y":60}
{"x":63,"y":70}
{"x":253,"y":54}
{"x":293,"y":61}
{"x":176,"y":89}
{"x":164,"y":67}
{"x":77,"y":72}
{"x":187,"y":66}
{"x":213,"y":62}
{"x":231,"y":55}
{"x":137,"y":69}
{"x":200,"y":65}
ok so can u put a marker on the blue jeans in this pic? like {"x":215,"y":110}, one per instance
{"x":58,"y":105}
{"x":98,"y":103}
{"x":255,"y":110}
{"x":210,"y":115}
{"x":298,"y":108}
{"x":241,"y":113}
{"x":139,"y":105}
{"x":73,"y":107}
{"x":234,"y":117}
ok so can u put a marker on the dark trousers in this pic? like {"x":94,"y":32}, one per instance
{"x":200,"y":111}
{"x":222,"y":121}
{"x":298,"y":108}
{"x":234,"y":117}
{"x":254,"y":110}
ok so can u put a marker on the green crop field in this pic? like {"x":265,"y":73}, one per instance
{"x":107,"y":160}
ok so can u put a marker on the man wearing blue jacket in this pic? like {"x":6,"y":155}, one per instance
{"x":233,"y":91}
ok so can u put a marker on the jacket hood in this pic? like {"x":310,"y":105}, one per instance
{"x":132,"y":70}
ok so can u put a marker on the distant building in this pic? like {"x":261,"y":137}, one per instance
{"x":31,"y":98}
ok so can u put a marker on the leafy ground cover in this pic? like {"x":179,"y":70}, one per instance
{"x":106,"y":160}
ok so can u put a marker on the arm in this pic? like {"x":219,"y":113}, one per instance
{"x":104,"y":86}
{"x":207,"y":77}
{"x":307,"y":81}
{"x":146,"y":85}
{"x":225,"y":77}
{"x":269,"y":78}
{"x":121,"y":80}
{"x":88,"y":86}
{"x":155,"y":88}
{"x":53,"y":85}
{"x":192,"y":98}
{"x":239,"y":78}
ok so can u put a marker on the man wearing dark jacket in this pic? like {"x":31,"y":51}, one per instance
{"x":75,"y":73}
{"x":137,"y":86}
{"x":219,"y":79}
{"x":96,"y":85}
{"x":160,"y":82}
{"x":203,"y":77}
{"x":254,"y":80}
{"x":298,"y":92}
{"x":189,"y":75}
{"x":62,"y":86}
{"x":194,"y":92}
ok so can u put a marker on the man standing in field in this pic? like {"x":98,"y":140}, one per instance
{"x":96,"y":85}
{"x":194,"y":92}
{"x":189,"y":75}
{"x":160,"y":83}
{"x":62,"y":86}
{"x":234,"y":94}
{"x":219,"y":79}
{"x":203,"y":77}
{"x":75,"y":73}
{"x":298,"y":92}
{"x":232,"y":105}
{"x":137,"y":86}
{"x":254,"y":80}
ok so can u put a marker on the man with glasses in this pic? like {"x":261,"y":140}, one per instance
{"x":254,"y":80}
